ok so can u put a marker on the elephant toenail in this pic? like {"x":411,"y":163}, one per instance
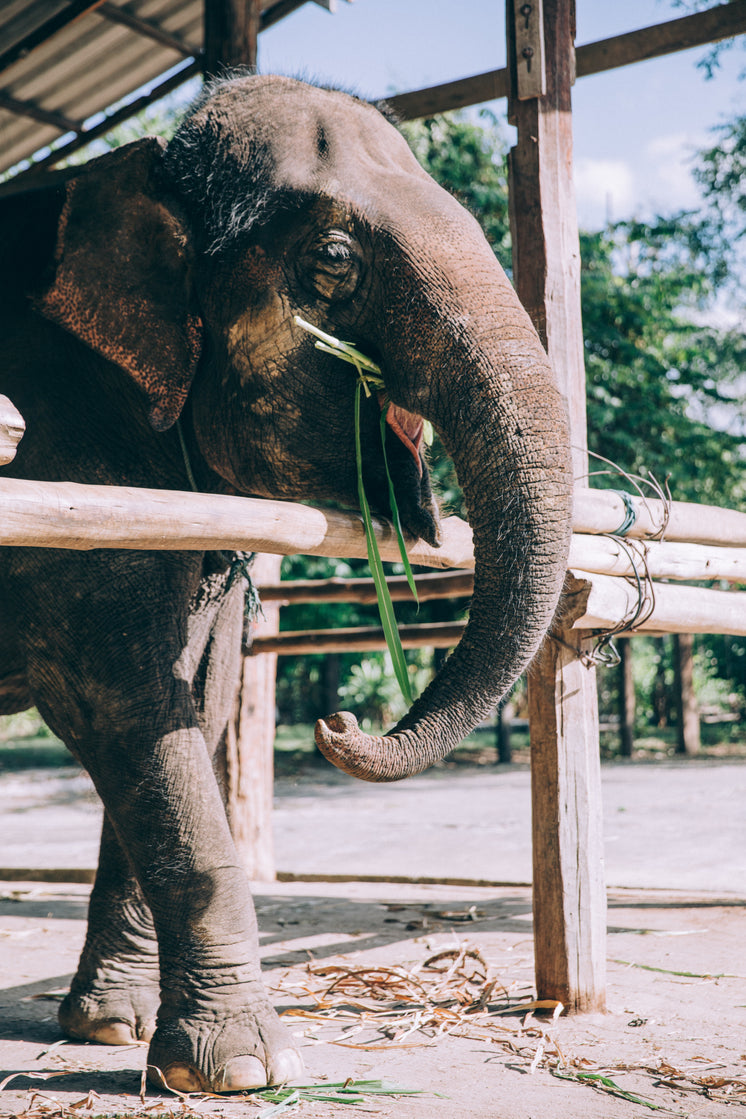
{"x":177,"y":1077}
{"x":113,"y":1033}
{"x":145,"y":1030}
{"x":287,"y":1066}
{"x":240,"y":1073}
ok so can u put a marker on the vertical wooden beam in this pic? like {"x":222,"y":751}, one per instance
{"x":569,"y":895}
{"x":626,"y":700}
{"x":231,"y":34}
{"x":544,"y":225}
{"x":688,"y":739}
{"x":251,"y":740}
{"x":568,"y":883}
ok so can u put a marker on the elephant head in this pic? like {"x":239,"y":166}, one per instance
{"x":276,"y":199}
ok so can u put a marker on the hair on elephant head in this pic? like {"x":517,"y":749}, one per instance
{"x":275,"y":199}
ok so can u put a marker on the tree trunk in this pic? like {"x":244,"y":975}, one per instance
{"x":505,"y":716}
{"x":688,"y":736}
{"x":626,"y":700}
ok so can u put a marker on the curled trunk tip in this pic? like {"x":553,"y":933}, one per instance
{"x":366,"y":756}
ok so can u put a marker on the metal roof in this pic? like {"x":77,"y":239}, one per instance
{"x":63,"y":63}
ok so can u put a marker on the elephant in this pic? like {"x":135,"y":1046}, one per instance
{"x":149,"y":332}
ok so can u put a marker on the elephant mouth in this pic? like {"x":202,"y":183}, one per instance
{"x":409,"y":429}
{"x":408,"y":476}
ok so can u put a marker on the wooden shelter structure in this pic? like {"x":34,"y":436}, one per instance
{"x":569,"y":893}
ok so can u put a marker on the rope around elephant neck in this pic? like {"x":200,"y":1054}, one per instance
{"x":185,"y":453}
{"x":238,"y":563}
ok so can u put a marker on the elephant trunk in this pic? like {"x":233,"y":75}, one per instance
{"x":493,"y":401}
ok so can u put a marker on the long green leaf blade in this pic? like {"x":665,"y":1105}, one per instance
{"x":385,"y":605}
{"x":395,"y":512}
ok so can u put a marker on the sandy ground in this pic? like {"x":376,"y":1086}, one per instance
{"x":674,"y":1036}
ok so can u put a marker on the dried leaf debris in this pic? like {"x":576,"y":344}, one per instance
{"x":453,"y":992}
{"x":456,"y":993}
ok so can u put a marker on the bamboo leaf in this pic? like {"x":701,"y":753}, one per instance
{"x":395,"y":512}
{"x":343,"y":1092}
{"x":605,"y":1084}
{"x":385,"y":605}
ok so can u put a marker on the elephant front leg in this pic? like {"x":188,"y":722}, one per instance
{"x":113,"y":997}
{"x":216,"y":1029}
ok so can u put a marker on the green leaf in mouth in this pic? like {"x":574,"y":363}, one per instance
{"x":370,"y":377}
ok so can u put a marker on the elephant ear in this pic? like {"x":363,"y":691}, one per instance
{"x":122,"y":282}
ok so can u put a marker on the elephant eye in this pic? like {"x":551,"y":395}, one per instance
{"x":331,"y":265}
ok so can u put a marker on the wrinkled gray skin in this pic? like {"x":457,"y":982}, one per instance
{"x":159,"y":282}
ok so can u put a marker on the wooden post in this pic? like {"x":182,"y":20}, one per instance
{"x":231,"y":34}
{"x":626,"y":700}
{"x":251,"y":740}
{"x":688,"y":739}
{"x":569,"y":896}
{"x":568,"y":883}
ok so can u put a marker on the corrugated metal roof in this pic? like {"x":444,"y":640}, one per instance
{"x":62,"y":62}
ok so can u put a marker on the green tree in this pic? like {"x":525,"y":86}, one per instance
{"x":663,"y":384}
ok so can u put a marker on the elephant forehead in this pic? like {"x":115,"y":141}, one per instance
{"x":308,"y":135}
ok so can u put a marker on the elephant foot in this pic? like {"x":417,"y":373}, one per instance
{"x":111,"y":1016}
{"x":113,"y":999}
{"x":215,"y":1049}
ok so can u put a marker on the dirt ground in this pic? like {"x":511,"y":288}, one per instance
{"x":673,"y":1039}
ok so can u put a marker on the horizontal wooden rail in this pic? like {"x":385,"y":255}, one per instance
{"x":597,"y":554}
{"x":70,"y":515}
{"x":438,"y":635}
{"x":606,"y":511}
{"x":610,"y":601}
{"x":677,"y":609}
{"x":687,"y":562}
{"x":449,"y":584}
{"x":721,"y":22}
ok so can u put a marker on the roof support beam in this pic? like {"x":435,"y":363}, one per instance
{"x":72,"y":11}
{"x":125,"y":113}
{"x":711,"y":26}
{"x":36,"y":112}
{"x":145,"y":28}
{"x":276,"y":10}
